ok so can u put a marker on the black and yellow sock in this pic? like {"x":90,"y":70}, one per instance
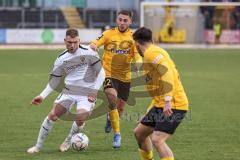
{"x":114,"y":118}
{"x":145,"y":155}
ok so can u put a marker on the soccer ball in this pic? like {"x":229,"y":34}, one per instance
{"x":79,"y":141}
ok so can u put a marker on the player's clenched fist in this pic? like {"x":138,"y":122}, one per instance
{"x":37,"y":100}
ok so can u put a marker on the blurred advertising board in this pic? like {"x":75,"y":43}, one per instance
{"x":226,"y":36}
{"x":2,"y":36}
{"x":46,"y":36}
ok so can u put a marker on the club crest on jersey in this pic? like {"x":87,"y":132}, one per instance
{"x":82,"y":59}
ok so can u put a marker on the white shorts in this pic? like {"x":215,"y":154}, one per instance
{"x":68,"y":100}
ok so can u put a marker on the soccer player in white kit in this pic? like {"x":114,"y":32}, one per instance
{"x":83,"y":75}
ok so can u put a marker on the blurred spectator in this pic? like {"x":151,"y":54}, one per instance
{"x":217,"y":28}
{"x":235,"y":16}
{"x":208,"y":12}
{"x":238,"y":17}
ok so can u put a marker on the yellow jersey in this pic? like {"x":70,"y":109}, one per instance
{"x":162,"y":79}
{"x":119,"y":51}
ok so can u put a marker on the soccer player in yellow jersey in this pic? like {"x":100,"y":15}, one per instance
{"x":169,"y":101}
{"x":119,"y":52}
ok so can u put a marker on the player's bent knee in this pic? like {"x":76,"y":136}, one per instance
{"x":112,"y":100}
{"x":52,"y":117}
{"x":136,"y":133}
{"x":157,"y":140}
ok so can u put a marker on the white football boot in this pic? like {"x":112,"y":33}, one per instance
{"x":33,"y":150}
{"x":65,"y":145}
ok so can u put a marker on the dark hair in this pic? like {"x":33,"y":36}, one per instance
{"x":142,"y":35}
{"x":126,"y":12}
{"x":72,"y":32}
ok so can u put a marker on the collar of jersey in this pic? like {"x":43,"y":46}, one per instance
{"x":124,"y":31}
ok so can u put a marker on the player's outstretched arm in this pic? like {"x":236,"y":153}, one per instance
{"x":37,"y":100}
{"x":55,"y":78}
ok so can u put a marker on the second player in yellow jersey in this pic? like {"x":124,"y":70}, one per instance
{"x":169,"y":101}
{"x":118,"y":54}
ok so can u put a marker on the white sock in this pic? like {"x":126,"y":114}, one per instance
{"x":108,"y":116}
{"x":75,"y":129}
{"x":46,"y":127}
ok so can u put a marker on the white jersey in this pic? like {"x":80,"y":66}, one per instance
{"x":82,"y":73}
{"x":76,"y":67}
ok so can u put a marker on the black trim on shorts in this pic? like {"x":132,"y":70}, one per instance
{"x":157,"y":120}
{"x":122,"y":88}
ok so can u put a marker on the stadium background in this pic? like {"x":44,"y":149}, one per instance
{"x":31,"y":36}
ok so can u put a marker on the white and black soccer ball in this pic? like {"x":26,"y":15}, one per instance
{"x":79,"y":141}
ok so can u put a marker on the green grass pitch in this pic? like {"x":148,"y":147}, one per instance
{"x":211,"y":130}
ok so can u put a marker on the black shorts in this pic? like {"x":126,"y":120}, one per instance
{"x":121,"y":87}
{"x":156,"y":119}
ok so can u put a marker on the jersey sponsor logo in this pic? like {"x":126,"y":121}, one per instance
{"x":71,"y":68}
{"x":119,"y":51}
{"x":123,"y":48}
